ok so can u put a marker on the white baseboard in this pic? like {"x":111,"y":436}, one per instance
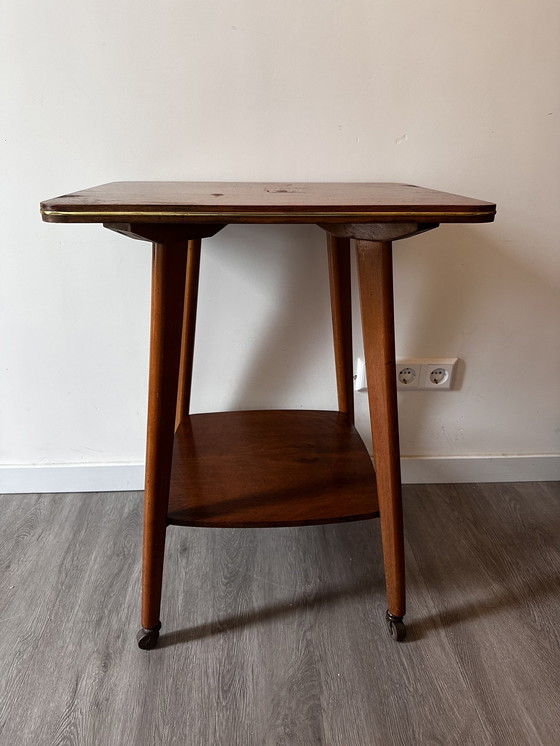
{"x":456,"y":469}
{"x":71,"y":478}
{"x":16,"y":479}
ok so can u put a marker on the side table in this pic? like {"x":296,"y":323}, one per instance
{"x":269,"y":468}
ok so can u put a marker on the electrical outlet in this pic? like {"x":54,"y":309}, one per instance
{"x":409,"y":374}
{"x":360,"y":383}
{"x":439,"y":374}
{"x":426,"y":374}
{"x":408,"y":377}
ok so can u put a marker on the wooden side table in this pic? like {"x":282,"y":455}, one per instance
{"x":269,"y":468}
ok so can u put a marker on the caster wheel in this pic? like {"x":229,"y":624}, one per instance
{"x":147,"y":638}
{"x":396,"y":626}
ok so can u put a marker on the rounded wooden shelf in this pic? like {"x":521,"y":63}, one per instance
{"x":270,"y":468}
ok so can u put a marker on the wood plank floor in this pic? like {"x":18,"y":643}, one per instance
{"x":275,"y":637}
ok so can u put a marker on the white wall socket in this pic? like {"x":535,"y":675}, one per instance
{"x":416,"y":374}
{"x":426,"y":374}
{"x":360,"y":383}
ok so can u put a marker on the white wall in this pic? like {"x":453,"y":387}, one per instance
{"x":456,"y":96}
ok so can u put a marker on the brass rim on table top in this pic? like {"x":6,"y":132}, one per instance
{"x":268,"y":214}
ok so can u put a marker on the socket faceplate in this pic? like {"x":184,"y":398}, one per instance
{"x":426,"y":374}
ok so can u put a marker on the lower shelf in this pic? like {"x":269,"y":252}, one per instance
{"x":270,"y":468}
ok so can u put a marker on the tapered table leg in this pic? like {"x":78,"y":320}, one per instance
{"x":168,"y":287}
{"x":341,"y":308}
{"x":376,"y":298}
{"x":189,"y":327}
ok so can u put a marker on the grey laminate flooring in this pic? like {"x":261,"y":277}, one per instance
{"x":276,"y":636}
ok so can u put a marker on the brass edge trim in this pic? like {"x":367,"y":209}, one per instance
{"x":268,"y":214}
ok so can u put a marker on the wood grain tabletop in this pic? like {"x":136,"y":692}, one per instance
{"x":267,"y":202}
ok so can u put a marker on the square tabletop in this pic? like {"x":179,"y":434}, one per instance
{"x":263,"y":202}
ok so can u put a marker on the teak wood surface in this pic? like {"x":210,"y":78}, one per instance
{"x":375,"y":273}
{"x":341,"y":311}
{"x":269,"y":468}
{"x":179,"y":202}
{"x":168,"y":282}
